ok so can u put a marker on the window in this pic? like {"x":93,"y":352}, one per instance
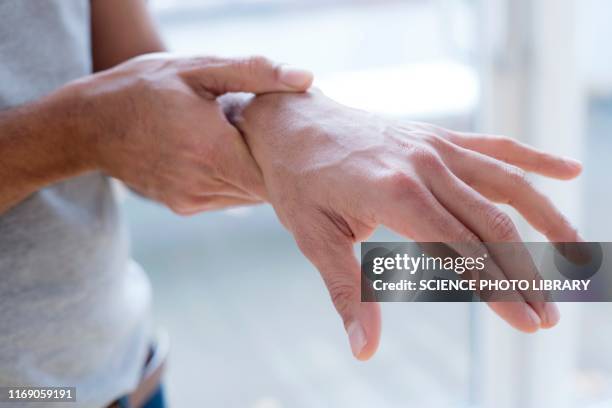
{"x":250,"y":321}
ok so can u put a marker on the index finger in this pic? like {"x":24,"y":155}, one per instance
{"x":518,"y":154}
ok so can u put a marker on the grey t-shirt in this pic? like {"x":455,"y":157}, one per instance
{"x":74,"y":309}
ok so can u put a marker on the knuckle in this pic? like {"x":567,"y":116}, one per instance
{"x":517,"y":177}
{"x":501,"y":226}
{"x":450,"y":136}
{"x":343,"y":293}
{"x":202,"y":61}
{"x":471,"y":250}
{"x":145,"y":88}
{"x":435,"y":141}
{"x":186,"y":205}
{"x":256,"y":63}
{"x":443,"y":145}
{"x":475,"y":251}
{"x":469,"y":241}
{"x":428,"y":159}
{"x":506,"y":142}
{"x":180,"y":209}
{"x":402,"y":185}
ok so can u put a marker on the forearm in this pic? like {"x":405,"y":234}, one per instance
{"x":40,"y":143}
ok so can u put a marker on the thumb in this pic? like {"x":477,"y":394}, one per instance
{"x":341,"y":273}
{"x":216,"y":76}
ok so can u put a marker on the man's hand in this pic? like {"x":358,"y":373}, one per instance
{"x":152,"y":122}
{"x":333,"y":174}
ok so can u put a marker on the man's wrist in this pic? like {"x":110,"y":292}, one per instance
{"x":80,"y":125}
{"x":40,"y":143}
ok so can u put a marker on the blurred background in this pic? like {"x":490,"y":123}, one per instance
{"x":250,"y":321}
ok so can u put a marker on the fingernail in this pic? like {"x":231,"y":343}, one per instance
{"x":533,"y":316}
{"x":552,"y":315}
{"x":295,"y":77}
{"x":357,"y":337}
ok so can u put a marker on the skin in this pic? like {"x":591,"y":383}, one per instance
{"x":152,"y":121}
{"x":334,"y":174}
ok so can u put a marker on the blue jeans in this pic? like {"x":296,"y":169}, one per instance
{"x":156,"y":401}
